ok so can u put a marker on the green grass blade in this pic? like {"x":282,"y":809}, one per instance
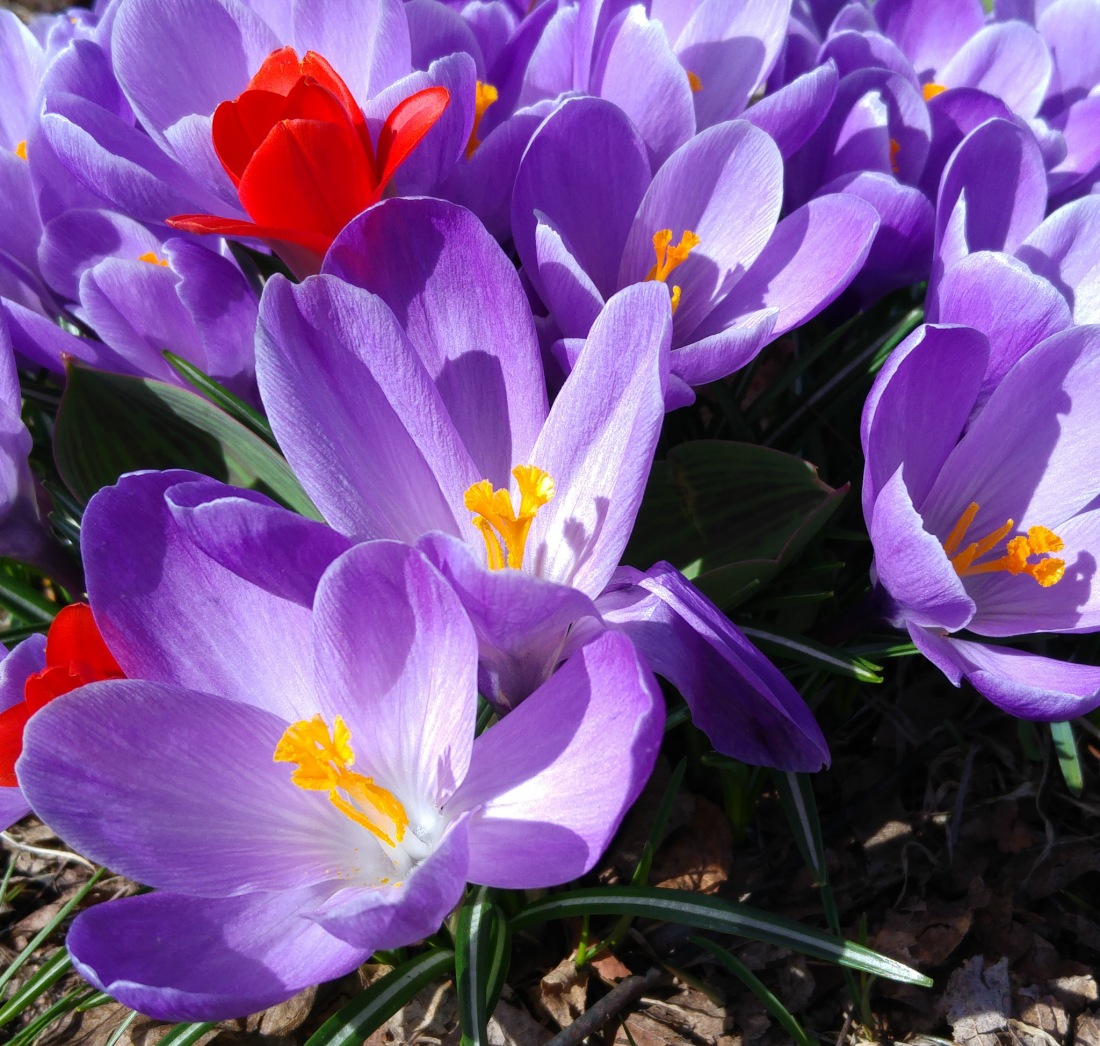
{"x":49,"y":928}
{"x":797,"y":796}
{"x":220,"y":396}
{"x":1065,"y":746}
{"x":757,"y":987}
{"x":26,"y":602}
{"x":798,"y":648}
{"x":473,"y":950}
{"x":121,"y":1029}
{"x":48,"y":974}
{"x":499,"y":958}
{"x":185,"y":1034}
{"x":714,"y":913}
{"x":371,"y":1008}
{"x":66,"y":1004}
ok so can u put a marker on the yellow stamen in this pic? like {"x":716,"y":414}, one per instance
{"x":324,"y":760}
{"x":895,"y":148}
{"x":152,"y":259}
{"x":1018,"y":552}
{"x":930,"y":90}
{"x":21,"y":149}
{"x":504,"y":530}
{"x":484,"y":96}
{"x":669,"y":256}
{"x":696,"y":83}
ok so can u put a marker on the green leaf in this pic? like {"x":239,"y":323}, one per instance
{"x":1065,"y":746}
{"x":23,"y":600}
{"x":371,"y":1008}
{"x":110,"y":424}
{"x":220,"y":396}
{"x":473,"y":961}
{"x":714,"y":913}
{"x":730,"y":515}
{"x":797,"y":796}
{"x":757,"y":987}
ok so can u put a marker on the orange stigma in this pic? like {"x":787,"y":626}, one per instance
{"x":895,"y":148}
{"x":930,"y":90}
{"x":669,"y":256}
{"x":152,"y":259}
{"x":504,"y":530}
{"x":1019,"y":550}
{"x":696,"y":83}
{"x":484,"y":96}
{"x":21,"y":149}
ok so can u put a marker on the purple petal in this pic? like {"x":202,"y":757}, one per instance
{"x":178,"y":789}
{"x":436,"y":30}
{"x":918,"y":406}
{"x":930,"y":31}
{"x":1008,"y":60}
{"x":543,"y":812}
{"x":586,"y":171}
{"x":791,"y":114}
{"x":954,"y":114}
{"x":395,"y":655}
{"x":997,"y":295}
{"x":660,"y":103}
{"x":566,"y":288}
{"x":1065,"y":27}
{"x":599,"y":439}
{"x":1079,"y":127}
{"x":852,"y":49}
{"x":375,"y":392}
{"x":24,"y":660}
{"x":726,"y":186}
{"x":717,"y":355}
{"x":1024,"y":684}
{"x":1064,"y":249}
{"x":522,"y":622}
{"x":165,"y":607}
{"x":13,"y":807}
{"x":737,"y":697}
{"x":911,"y":563}
{"x":462,"y":307}
{"x":229,"y":956}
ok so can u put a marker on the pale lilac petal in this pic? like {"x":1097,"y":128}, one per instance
{"x":544,"y":807}
{"x":717,"y":355}
{"x":737,"y":697}
{"x":1066,"y":27}
{"x":229,"y":956}
{"x":599,"y":439}
{"x":1079,"y":127}
{"x":565,"y":288}
{"x":436,"y":30}
{"x":726,"y":186}
{"x":478,"y":345}
{"x":338,"y":374}
{"x":852,"y":49}
{"x":912,"y":565}
{"x":13,"y":807}
{"x":166,"y":609}
{"x":953,"y":115}
{"x":1008,"y":60}
{"x":178,"y":789}
{"x":395,"y":655}
{"x":24,"y":660}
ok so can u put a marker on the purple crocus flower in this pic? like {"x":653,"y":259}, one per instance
{"x":984,"y":516}
{"x":315,"y":791}
{"x":589,"y":218}
{"x":416,"y":409}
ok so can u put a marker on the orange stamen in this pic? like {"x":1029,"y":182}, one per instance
{"x":484,"y":96}
{"x":1040,"y":541}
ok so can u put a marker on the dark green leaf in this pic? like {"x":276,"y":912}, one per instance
{"x":185,"y":1034}
{"x":798,"y":648}
{"x":714,"y":913}
{"x":110,"y":424}
{"x":48,"y":974}
{"x":730,"y":515}
{"x":1065,"y":747}
{"x":473,"y":957}
{"x":220,"y":396}
{"x":371,"y":1008}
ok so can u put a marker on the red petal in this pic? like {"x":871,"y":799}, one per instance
{"x":209,"y":224}
{"x":240,"y":127}
{"x":406,"y":125}
{"x":74,"y":639}
{"x":12,"y":722}
{"x":308,"y":176}
{"x":280,"y":71}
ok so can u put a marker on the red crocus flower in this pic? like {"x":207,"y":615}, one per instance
{"x":298,"y":150}
{"x":75,"y":655}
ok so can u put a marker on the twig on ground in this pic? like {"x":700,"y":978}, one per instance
{"x":40,"y":851}
{"x":612,"y":1003}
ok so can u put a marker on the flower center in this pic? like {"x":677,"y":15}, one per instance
{"x":484,"y":96}
{"x":503,"y":529}
{"x":930,"y":90}
{"x":324,"y":761}
{"x":669,"y":256}
{"x":1018,"y":552}
{"x":152,"y":259}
